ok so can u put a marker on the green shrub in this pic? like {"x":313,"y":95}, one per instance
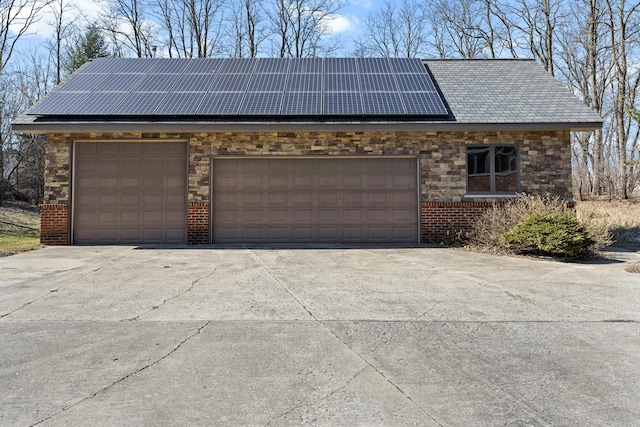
{"x":555,"y":234}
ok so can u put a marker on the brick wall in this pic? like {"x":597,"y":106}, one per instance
{"x":198,"y":223}
{"x":54,"y":224}
{"x":545,"y":164}
{"x":442,"y":221}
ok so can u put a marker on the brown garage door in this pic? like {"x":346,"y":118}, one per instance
{"x":130,"y":192}
{"x":315,"y":200}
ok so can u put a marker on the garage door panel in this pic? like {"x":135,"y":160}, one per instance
{"x":107,"y":200}
{"x":136,"y":193}
{"x":317,"y":200}
{"x":130,"y":217}
{"x":277,"y":215}
{"x":302,"y":199}
{"x":252,"y":215}
{"x":302,"y":234}
{"x":253,"y":198}
{"x":303,"y":215}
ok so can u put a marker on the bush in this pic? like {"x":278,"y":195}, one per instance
{"x":558,"y":234}
{"x":487,"y":230}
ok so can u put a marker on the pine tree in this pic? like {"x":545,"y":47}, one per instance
{"x":89,"y":45}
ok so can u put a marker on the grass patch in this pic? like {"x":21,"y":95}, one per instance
{"x":634,"y":267}
{"x":19,"y":228}
{"x":622,"y":218}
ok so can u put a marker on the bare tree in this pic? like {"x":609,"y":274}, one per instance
{"x":624,"y":31}
{"x":128,"y":23}
{"x":396,"y":30}
{"x":465,"y":28}
{"x":537,"y":22}
{"x":193,"y":28}
{"x":246,"y":29}
{"x":300,"y":27}
{"x":63,"y":28}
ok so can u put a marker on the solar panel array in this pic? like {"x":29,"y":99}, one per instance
{"x":247,"y":87}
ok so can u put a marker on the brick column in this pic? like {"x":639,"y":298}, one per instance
{"x":198,"y":223}
{"x":54,"y":224}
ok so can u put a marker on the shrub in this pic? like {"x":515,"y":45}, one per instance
{"x":557,"y":234}
{"x":487,"y":229}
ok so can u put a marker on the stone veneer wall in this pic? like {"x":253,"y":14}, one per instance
{"x":545,"y":165}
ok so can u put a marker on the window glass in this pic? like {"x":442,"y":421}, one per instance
{"x":479,"y":169}
{"x":492,"y":169}
{"x":506,"y":169}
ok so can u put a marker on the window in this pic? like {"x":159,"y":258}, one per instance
{"x":492,"y":169}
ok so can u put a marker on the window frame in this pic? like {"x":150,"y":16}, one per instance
{"x":492,"y":170}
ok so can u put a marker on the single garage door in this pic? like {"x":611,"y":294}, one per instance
{"x":315,"y":200}
{"x":130,"y":192}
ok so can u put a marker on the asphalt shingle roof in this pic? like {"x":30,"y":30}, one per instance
{"x":506,"y":91}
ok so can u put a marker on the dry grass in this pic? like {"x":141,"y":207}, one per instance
{"x":19,"y":228}
{"x":622,"y":217}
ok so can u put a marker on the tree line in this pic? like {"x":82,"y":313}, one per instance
{"x":593,"y":46}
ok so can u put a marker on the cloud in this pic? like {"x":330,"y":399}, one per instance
{"x":341,"y":24}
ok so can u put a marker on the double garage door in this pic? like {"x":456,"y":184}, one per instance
{"x":315,"y":200}
{"x":136,"y":192}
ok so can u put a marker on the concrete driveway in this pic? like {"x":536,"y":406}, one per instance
{"x":325,"y":336}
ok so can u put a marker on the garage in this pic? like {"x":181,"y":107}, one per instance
{"x":327,"y":200}
{"x":130,"y":192}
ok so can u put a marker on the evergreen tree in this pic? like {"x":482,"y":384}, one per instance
{"x":89,"y":45}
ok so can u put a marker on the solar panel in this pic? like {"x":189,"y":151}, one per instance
{"x":341,"y":82}
{"x":377,"y":83}
{"x":373,"y":66}
{"x":59,"y":103}
{"x":407,"y":65}
{"x":340,"y":65}
{"x":157,"y":82}
{"x":261,"y":104}
{"x":141,"y":103}
{"x":415,"y":83}
{"x":343,"y":103}
{"x":382,"y":103}
{"x":237,"y":65}
{"x":220,"y":103}
{"x":171,"y":66}
{"x":119,"y":82}
{"x":230,"y":83}
{"x":302,"y":104}
{"x":194,"y":83}
{"x":82,"y":82}
{"x":100,"y":104}
{"x":418,"y":102}
{"x":304,"y":83}
{"x":138,"y":65}
{"x":247,"y":86}
{"x":180,"y":103}
{"x":272,"y":65}
{"x":267,"y":83}
{"x":204,"y":65}
{"x":103,"y":65}
{"x":306,"y":65}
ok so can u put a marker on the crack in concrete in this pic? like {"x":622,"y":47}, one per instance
{"x":155,"y":307}
{"x":361,"y":357}
{"x":63,"y":286}
{"x":137,"y":371}
{"x":315,"y":401}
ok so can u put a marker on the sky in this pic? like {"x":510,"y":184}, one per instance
{"x":348,"y":24}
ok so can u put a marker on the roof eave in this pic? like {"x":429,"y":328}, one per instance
{"x":33,"y":127}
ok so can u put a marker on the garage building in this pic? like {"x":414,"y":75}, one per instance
{"x":310,"y":150}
